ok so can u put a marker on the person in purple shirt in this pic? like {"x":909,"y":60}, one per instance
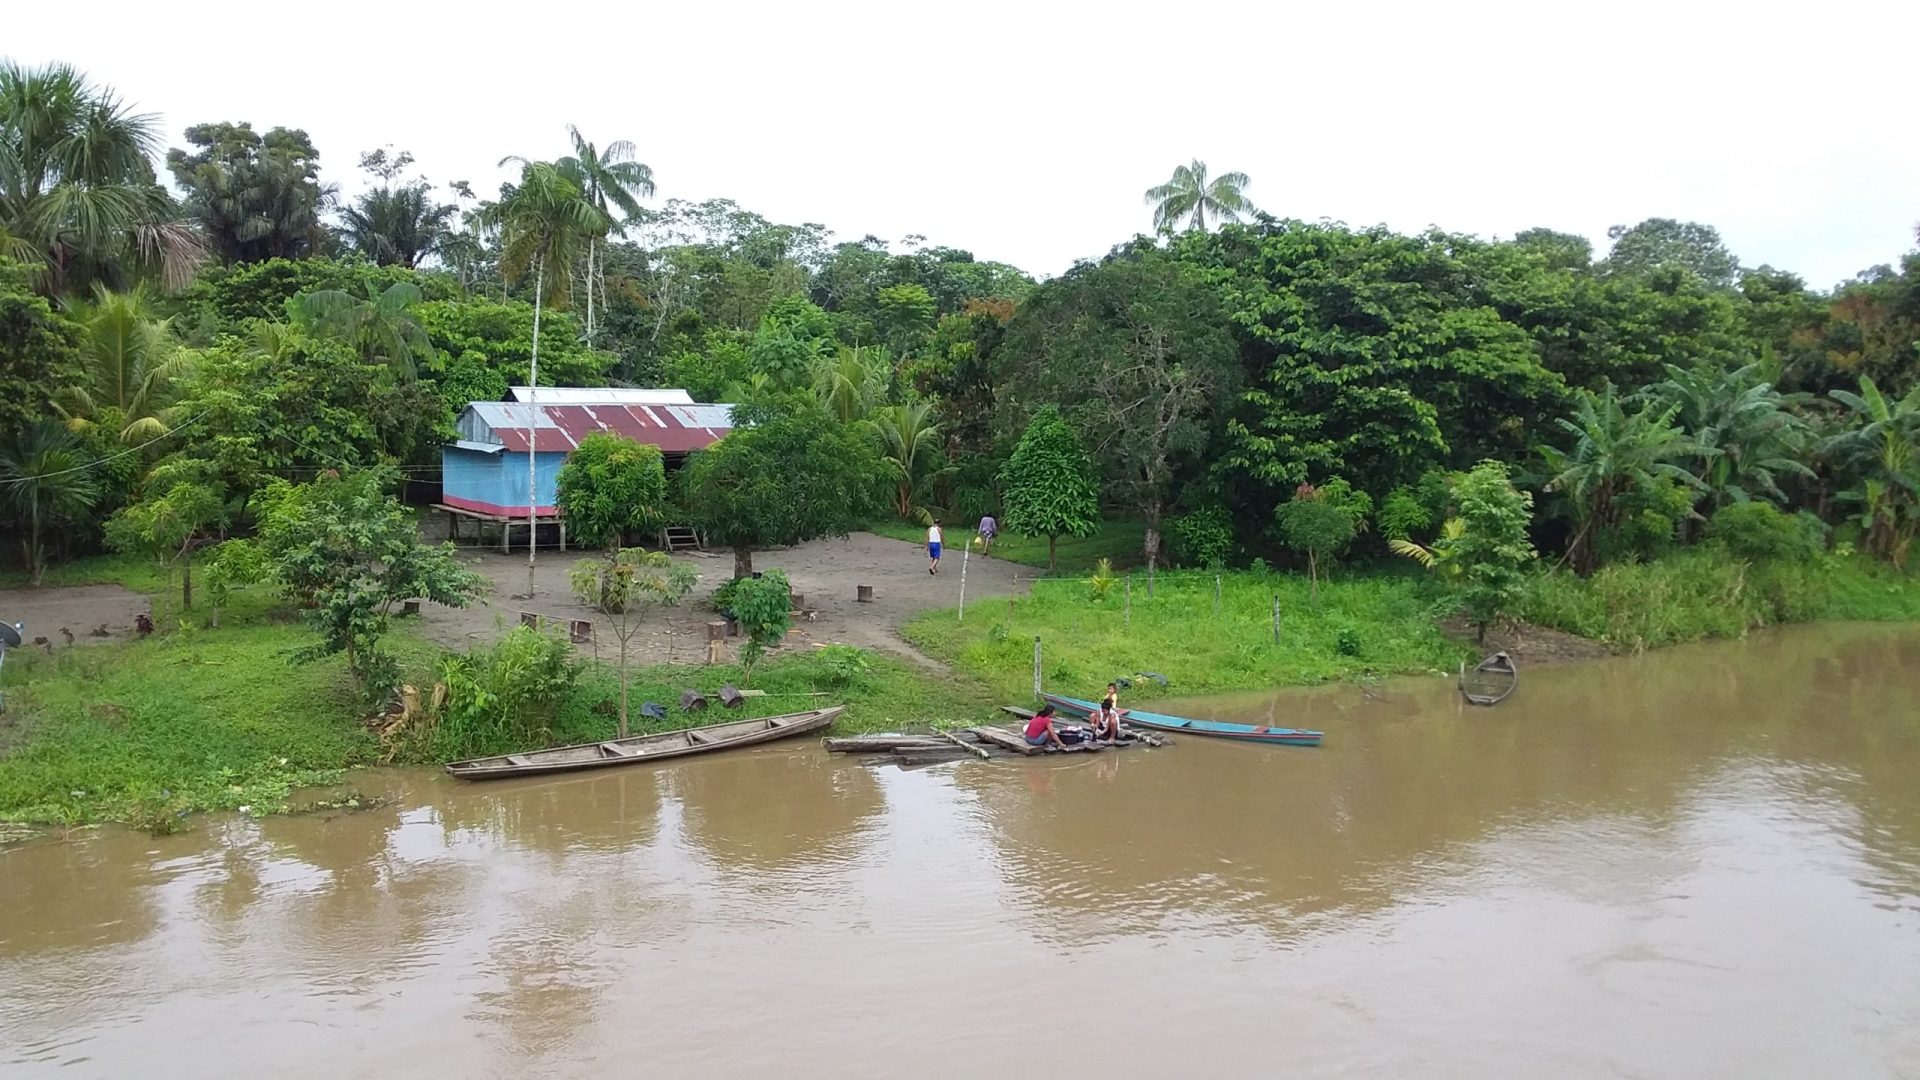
{"x":989,"y":529}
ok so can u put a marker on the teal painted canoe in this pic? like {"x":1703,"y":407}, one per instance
{"x":1218,"y":729}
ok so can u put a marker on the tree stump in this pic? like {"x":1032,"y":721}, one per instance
{"x":410,"y":607}
{"x":731,"y":697}
{"x":716,"y":652}
{"x":717,"y":630}
{"x":797,"y":601}
{"x":863,"y":594}
{"x":692,"y":700}
{"x":580,"y":630}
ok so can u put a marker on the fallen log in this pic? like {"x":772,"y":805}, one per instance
{"x":979,"y":751}
{"x":879,"y":744}
{"x":1142,"y":736}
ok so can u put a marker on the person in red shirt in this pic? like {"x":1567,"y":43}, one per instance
{"x":1040,"y":730}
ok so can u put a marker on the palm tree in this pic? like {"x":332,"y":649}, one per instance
{"x":1614,"y":453}
{"x":1191,"y":195}
{"x":542,"y":221}
{"x":130,"y":362}
{"x":44,"y":481}
{"x":380,"y":326}
{"x":1750,"y":435}
{"x":398,"y":226}
{"x":849,"y":383}
{"x":911,"y":444}
{"x":77,"y":186}
{"x":610,"y":179}
{"x":1884,"y":451}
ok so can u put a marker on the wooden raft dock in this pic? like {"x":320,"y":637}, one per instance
{"x":984,"y":742}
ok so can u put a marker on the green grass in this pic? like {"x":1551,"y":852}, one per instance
{"x":136,"y":572}
{"x":183,"y":721}
{"x":1705,"y":593}
{"x":890,"y":696}
{"x":1117,"y":540}
{"x":1363,"y":625}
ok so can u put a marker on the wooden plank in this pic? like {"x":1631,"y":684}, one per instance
{"x":869,"y":744}
{"x":616,"y":749}
{"x":1024,"y":714}
{"x":968,"y":747}
{"x":1005,"y":740}
{"x":696,"y":737}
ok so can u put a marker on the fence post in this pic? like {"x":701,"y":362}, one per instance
{"x":1276,"y":618}
{"x":1036,"y":667}
{"x":1149,"y":579}
{"x":965,"y":550}
{"x":1216,"y":596}
{"x":1129,"y":608}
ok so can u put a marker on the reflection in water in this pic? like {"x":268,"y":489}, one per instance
{"x":1704,"y":861}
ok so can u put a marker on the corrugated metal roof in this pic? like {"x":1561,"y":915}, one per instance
{"x":675,"y":429}
{"x":602,"y":395}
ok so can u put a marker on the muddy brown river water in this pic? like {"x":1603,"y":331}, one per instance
{"x":1699,"y":863}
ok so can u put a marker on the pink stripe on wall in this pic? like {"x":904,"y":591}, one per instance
{"x":479,"y":506}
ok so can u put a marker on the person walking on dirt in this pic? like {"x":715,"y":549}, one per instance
{"x":933,"y":547}
{"x":989,"y":529}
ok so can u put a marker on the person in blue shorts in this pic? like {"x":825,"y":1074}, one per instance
{"x":933,"y":547}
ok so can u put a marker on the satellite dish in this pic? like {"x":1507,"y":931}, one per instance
{"x":10,"y":634}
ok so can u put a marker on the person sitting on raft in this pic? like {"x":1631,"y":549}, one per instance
{"x":1040,"y":729}
{"x":1106,"y":724}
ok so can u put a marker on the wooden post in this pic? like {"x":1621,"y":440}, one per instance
{"x":506,"y":528}
{"x":1149,"y":579}
{"x":1128,"y":618}
{"x":1276,"y":618}
{"x":1216,"y":596}
{"x":1036,"y":667}
{"x":863,"y":594}
{"x":717,"y":650}
{"x":563,"y":538}
{"x":965,"y":551}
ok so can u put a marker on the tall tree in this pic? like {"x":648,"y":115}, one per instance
{"x":78,"y":197}
{"x":1136,"y":351}
{"x":543,"y":221}
{"x":130,"y":368}
{"x":1191,"y":196}
{"x":397,"y":224}
{"x":786,"y":474}
{"x":257,"y":196}
{"x":1663,"y":243}
{"x":610,"y":179}
{"x":1049,"y":488}
{"x":380,"y":326}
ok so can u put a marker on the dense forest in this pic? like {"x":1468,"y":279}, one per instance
{"x":172,"y":343}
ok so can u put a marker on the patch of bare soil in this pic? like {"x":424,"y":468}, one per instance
{"x":825,"y":573}
{"x":1526,"y":643}
{"x":89,"y":613}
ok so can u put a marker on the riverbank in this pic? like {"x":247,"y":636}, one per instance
{"x":1372,"y":623}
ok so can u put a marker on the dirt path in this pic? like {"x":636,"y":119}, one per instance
{"x":91,"y":613}
{"x":825,"y":572}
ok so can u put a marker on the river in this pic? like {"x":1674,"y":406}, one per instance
{"x":1700,"y":862}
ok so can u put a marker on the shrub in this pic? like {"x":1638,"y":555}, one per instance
{"x":1759,"y":530}
{"x":845,"y":665}
{"x":1103,"y":580}
{"x":764,"y":607}
{"x":502,"y":698}
{"x":1203,"y":538}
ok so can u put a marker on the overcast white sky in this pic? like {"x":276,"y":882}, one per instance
{"x":1026,"y":132}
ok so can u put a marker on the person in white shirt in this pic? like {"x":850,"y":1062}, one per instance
{"x":933,"y":547}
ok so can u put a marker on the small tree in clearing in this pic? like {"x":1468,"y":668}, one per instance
{"x":611,"y":486}
{"x":180,"y":508}
{"x":621,"y":587}
{"x":1316,"y":525}
{"x":765,"y":610}
{"x":1049,"y":484}
{"x":1483,"y":553}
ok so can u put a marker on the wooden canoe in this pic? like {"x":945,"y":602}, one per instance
{"x":1218,"y":729}
{"x":1491,"y":680}
{"x":638,"y":748}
